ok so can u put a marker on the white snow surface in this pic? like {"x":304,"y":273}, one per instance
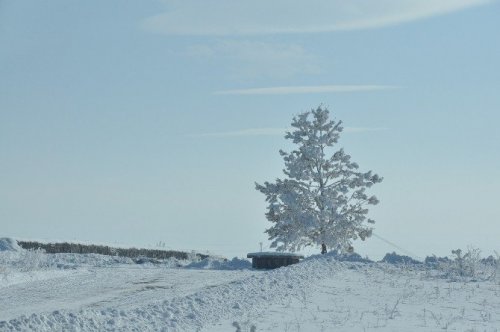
{"x":69,"y":292}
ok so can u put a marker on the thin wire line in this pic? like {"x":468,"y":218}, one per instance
{"x":396,"y":246}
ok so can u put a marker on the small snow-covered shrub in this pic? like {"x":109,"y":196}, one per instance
{"x":469,"y":265}
{"x":23,"y":261}
{"x":465,"y":265}
{"x":493,"y":263}
{"x":32,"y":260}
{"x":192,"y":257}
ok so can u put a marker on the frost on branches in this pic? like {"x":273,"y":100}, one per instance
{"x":323,"y":198}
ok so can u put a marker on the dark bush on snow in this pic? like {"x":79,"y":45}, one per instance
{"x":435,"y":261}
{"x":146,"y":260}
{"x":490,"y":260}
{"x":393,"y":258}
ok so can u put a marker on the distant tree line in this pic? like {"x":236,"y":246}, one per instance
{"x":77,"y":248}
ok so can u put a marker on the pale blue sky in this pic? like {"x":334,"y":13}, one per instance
{"x":135,"y":122}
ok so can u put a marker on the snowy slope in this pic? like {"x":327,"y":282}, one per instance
{"x":319,"y":294}
{"x":358,"y":297}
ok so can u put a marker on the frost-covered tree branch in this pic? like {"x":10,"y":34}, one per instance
{"x":323,"y":199}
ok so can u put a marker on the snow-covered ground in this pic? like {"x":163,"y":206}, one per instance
{"x":359,"y":297}
{"x":68,"y":292}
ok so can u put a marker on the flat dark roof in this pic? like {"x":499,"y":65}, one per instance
{"x":274,"y":254}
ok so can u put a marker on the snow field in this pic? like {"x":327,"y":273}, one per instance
{"x":86,"y":292}
{"x":365,"y":297}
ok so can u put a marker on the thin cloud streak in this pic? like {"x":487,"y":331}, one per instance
{"x":276,"y":132}
{"x":286,"y":90}
{"x":257,"y":17}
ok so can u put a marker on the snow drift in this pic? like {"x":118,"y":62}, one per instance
{"x":8,"y":244}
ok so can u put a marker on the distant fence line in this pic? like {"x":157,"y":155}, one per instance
{"x":77,"y":248}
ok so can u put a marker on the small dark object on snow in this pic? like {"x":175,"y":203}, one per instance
{"x":145,"y":260}
{"x":323,"y":248}
{"x":272,"y":260}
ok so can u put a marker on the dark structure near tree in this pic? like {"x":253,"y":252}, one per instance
{"x":272,"y":260}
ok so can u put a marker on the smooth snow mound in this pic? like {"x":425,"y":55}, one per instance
{"x":221,"y":264}
{"x":8,"y":244}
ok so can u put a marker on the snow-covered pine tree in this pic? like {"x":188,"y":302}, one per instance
{"x":323,"y":197}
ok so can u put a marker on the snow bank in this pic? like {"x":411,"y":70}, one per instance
{"x":13,"y":258}
{"x":29,"y":265}
{"x":346,"y":257}
{"x":8,"y":244}
{"x":34,"y":260}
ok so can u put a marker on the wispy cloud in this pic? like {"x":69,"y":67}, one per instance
{"x":229,"y":17}
{"x":275,"y":132}
{"x":284,"y":90}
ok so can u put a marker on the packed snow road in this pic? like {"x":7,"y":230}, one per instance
{"x":123,"y":287}
{"x":137,"y":298}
